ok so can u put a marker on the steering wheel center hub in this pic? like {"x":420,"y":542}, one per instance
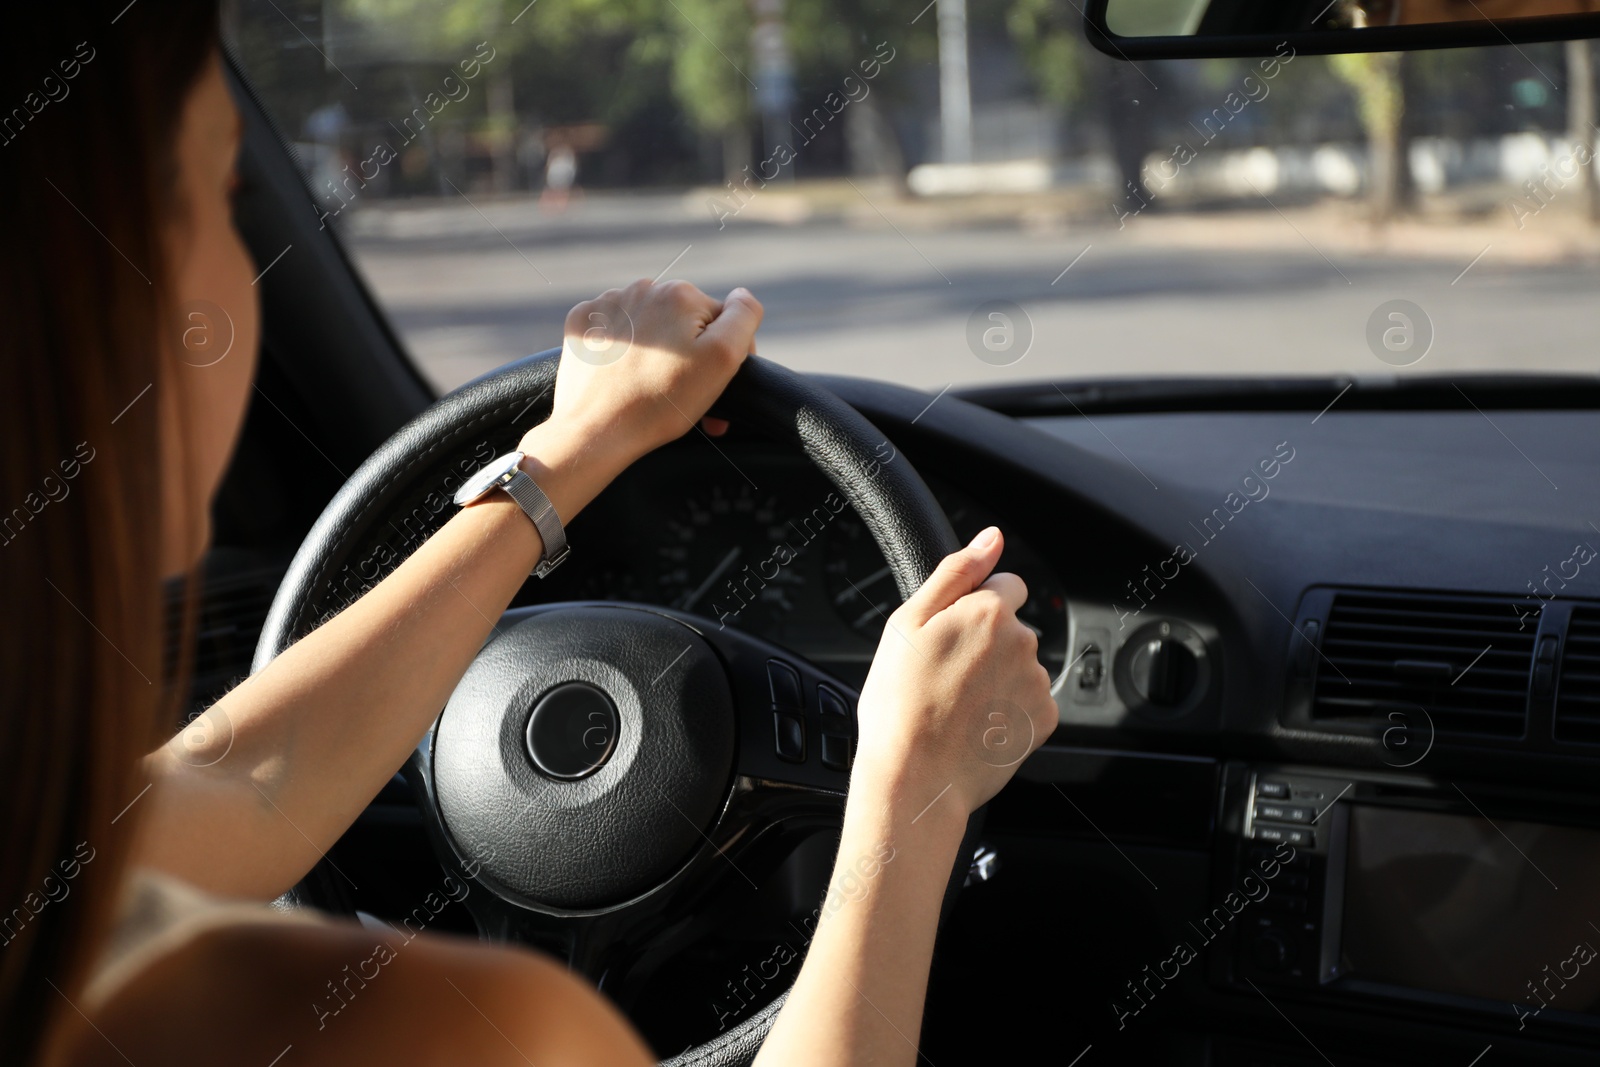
{"x":610,"y":782}
{"x":572,"y":731}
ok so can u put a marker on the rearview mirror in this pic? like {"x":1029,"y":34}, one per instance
{"x":1170,"y":29}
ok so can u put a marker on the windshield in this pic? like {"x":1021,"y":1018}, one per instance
{"x":965,"y":195}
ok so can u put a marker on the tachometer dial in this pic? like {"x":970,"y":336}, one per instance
{"x":860,"y":583}
{"x":862,"y":588}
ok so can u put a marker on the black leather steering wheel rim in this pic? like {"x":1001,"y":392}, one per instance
{"x":338,"y":561}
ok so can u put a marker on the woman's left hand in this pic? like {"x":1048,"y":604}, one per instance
{"x":640,"y":366}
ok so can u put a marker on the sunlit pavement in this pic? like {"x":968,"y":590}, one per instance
{"x":886,"y":292}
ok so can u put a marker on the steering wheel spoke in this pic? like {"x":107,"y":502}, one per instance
{"x":797,"y":724}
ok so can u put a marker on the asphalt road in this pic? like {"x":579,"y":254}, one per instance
{"x":1258,"y":292}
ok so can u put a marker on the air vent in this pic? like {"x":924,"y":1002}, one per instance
{"x":1465,"y":660}
{"x":1578,"y":686}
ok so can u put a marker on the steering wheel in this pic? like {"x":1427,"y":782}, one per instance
{"x":604,"y":770}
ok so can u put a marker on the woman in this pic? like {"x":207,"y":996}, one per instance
{"x":133,"y":866}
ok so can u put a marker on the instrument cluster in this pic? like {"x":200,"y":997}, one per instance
{"x":754,"y":537}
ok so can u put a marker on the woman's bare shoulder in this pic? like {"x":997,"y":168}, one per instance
{"x":338,"y":992}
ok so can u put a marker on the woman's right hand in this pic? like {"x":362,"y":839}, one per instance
{"x":956,"y":697}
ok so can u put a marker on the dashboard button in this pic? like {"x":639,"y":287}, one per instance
{"x":1093,"y":671}
{"x":836,"y":752}
{"x":1283,"y":813}
{"x":833,"y":706}
{"x":1273,"y":790}
{"x":785,"y":681}
{"x":790,"y":733}
{"x":1291,"y":835}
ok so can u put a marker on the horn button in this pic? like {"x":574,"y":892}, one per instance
{"x":585,"y":753}
{"x":571,"y":731}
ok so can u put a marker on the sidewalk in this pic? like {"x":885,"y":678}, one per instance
{"x":1458,"y":224}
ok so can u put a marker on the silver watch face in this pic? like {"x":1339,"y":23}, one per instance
{"x":490,"y":476}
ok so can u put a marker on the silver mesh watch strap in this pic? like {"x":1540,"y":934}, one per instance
{"x":526,"y":492}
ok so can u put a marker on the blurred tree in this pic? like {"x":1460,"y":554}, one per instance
{"x":1377,"y":80}
{"x":833,"y":39}
{"x":449,"y":29}
{"x":1066,"y":72}
{"x":1052,"y":46}
{"x":697,"y":50}
{"x":1071,"y":76}
{"x":709,"y":52}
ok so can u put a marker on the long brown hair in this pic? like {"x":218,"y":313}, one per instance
{"x":90,"y":99}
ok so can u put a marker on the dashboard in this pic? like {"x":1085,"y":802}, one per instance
{"x":1328,"y":692}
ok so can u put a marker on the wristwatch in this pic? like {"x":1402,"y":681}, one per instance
{"x":507,"y":473}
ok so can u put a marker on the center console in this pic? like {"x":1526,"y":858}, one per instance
{"x":1450,"y":897}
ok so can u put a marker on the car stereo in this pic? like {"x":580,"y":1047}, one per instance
{"x":1465,"y":897}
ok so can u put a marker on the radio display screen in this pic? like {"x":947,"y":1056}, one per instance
{"x":1456,"y":904}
